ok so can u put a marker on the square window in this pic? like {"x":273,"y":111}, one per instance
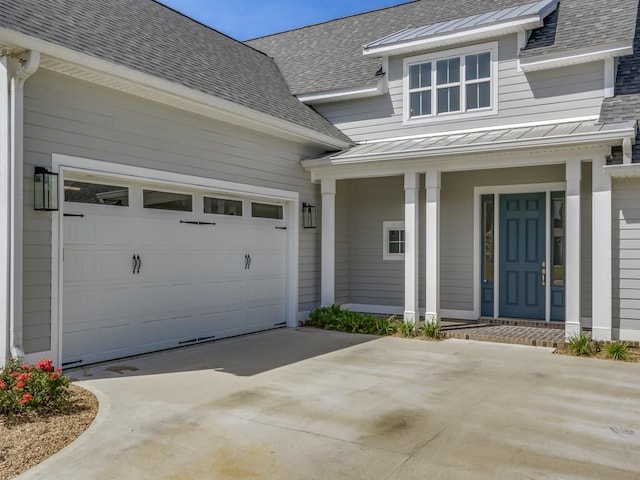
{"x":394,"y":241}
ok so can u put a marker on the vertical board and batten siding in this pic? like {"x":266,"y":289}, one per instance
{"x":72,"y":117}
{"x":586,"y":254}
{"x":626,"y":255}
{"x":342,"y":251}
{"x":549,"y":95}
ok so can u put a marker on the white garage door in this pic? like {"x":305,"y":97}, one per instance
{"x":146,"y":268}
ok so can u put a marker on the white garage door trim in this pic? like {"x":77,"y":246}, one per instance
{"x":68,"y":164}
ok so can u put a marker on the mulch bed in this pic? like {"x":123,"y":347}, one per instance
{"x":28,"y":439}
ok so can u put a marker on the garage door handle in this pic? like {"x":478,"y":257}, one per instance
{"x":135,"y":263}
{"x":249,"y":266}
{"x":139,"y":264}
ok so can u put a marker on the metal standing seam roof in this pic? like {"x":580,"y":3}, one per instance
{"x":492,"y":140}
{"x":148,"y":37}
{"x":536,"y":10}
{"x":328,"y":56}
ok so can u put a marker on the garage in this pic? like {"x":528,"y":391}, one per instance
{"x":148,"y":266}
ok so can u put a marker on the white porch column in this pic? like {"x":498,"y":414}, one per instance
{"x":411,"y":189}
{"x":572,"y":260}
{"x":5,"y":209}
{"x":432,"y":184}
{"x":602,"y":266}
{"x":328,"y":267}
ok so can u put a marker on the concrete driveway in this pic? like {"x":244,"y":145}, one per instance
{"x":307,"y":404}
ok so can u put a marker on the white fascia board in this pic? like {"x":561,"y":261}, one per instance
{"x":455,"y":38}
{"x":622,"y":171}
{"x":564,"y":60}
{"x":221,"y":109}
{"x":343,"y":94}
{"x":616,"y":136}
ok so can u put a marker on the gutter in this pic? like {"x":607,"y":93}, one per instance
{"x":16,"y":207}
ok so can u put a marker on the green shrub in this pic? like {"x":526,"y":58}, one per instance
{"x":342,"y":320}
{"x":580,"y":344}
{"x":38,"y":388}
{"x":616,"y":350}
{"x":431,"y":329}
{"x":406,"y":329}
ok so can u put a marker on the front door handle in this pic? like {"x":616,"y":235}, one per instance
{"x":544,"y":274}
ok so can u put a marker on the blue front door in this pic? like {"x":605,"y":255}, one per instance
{"x":522,"y":253}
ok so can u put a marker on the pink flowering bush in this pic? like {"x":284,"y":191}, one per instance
{"x":38,"y":388}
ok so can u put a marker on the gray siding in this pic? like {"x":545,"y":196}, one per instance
{"x":626,"y":254}
{"x":568,"y":92}
{"x":586,"y":201}
{"x":456,"y":222}
{"x":371,"y":280}
{"x":66,"y":116}
{"x":364,"y":277}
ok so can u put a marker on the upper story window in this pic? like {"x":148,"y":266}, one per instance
{"x":441,"y":85}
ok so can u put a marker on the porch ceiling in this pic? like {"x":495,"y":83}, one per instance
{"x":481,"y":141}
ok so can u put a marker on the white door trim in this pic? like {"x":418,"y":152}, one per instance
{"x":477,"y":246}
{"x":64,"y":163}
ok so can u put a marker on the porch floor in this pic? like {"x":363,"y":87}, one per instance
{"x":536,"y":334}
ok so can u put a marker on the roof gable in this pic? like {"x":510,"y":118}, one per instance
{"x":148,"y":37}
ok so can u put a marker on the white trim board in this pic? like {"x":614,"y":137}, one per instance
{"x":65,"y":163}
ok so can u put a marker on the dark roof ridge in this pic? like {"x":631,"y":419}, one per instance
{"x":402,"y":2}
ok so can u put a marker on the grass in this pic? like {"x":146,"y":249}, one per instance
{"x":616,"y":350}
{"x":579,"y":344}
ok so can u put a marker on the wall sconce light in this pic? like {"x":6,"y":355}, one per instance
{"x":45,"y":190}
{"x":308,"y":215}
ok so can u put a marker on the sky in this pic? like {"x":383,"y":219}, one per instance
{"x":247,"y":19}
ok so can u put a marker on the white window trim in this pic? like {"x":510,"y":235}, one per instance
{"x":491,"y":47}
{"x":386,"y":226}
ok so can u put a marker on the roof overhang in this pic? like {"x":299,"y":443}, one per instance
{"x":455,"y":32}
{"x":565,"y":59}
{"x":102,"y":72}
{"x":351,"y":93}
{"x":482,"y":141}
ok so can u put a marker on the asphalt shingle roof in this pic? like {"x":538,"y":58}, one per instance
{"x":328,"y":56}
{"x":148,"y":37}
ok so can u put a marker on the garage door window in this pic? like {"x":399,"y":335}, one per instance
{"x":265,"y":210}
{"x":95,"y":193}
{"x":167,"y":201}
{"x":222,"y":206}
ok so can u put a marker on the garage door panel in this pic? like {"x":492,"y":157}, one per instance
{"x":115,"y":231}
{"x":221,"y":294}
{"x":116,"y":266}
{"x":120,"y":302}
{"x":80,"y":265}
{"x":194,"y":280}
{"x":80,"y":231}
{"x":80,"y":303}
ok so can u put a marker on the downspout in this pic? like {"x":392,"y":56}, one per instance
{"x":18,"y":79}
{"x":6,"y":64}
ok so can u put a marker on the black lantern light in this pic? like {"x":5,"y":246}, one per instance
{"x":308,"y":215}
{"x":45,"y":190}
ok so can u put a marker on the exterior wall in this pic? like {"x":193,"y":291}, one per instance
{"x":586,"y":277}
{"x":363,"y":277}
{"x":559,"y":93}
{"x":456,"y":223}
{"x":71,"y":117}
{"x":626,"y":257}
{"x":371,"y":280}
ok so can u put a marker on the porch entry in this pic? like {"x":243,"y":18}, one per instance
{"x":530,"y":255}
